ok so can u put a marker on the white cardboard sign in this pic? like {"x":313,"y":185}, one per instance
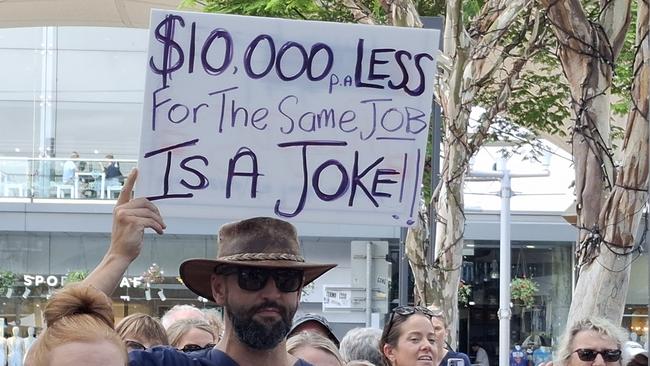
{"x":300,"y":120}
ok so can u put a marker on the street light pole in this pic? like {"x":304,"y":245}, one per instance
{"x":504,"y":313}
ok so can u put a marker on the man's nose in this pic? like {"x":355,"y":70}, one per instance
{"x":270,"y":289}
{"x":599,"y":361}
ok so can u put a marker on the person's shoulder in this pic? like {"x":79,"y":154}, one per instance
{"x":166,"y":356}
{"x":302,"y":362}
{"x":457,"y":354}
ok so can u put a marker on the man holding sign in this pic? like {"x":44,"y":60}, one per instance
{"x":249,"y":116}
{"x":257,"y":277}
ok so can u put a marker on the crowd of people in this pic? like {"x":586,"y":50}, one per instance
{"x":257,"y":279}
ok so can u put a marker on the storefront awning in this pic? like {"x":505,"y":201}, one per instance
{"x":101,"y":13}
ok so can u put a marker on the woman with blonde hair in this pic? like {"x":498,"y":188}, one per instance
{"x":189,"y":335}
{"x":141,"y":331}
{"x":591,"y":341}
{"x":79,"y":331}
{"x":315,"y":349}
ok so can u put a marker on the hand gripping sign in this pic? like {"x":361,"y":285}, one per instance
{"x":305,"y":121}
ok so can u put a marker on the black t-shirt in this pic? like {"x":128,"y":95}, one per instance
{"x":167,"y":356}
{"x":112,"y":170}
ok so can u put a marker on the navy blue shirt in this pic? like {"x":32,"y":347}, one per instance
{"x":455,"y":355}
{"x":167,"y":356}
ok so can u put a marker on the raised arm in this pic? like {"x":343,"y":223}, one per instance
{"x":130,"y":218}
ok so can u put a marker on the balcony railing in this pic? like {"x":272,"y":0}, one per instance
{"x":63,"y":178}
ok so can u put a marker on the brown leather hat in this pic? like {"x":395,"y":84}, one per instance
{"x":257,"y":242}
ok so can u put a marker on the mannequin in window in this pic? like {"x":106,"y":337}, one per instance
{"x":28,"y":341}
{"x":3,"y":346}
{"x":15,"y":347}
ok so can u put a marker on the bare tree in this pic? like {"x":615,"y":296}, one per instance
{"x":484,"y":61}
{"x":608,"y":206}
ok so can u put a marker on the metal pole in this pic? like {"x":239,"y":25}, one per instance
{"x":436,"y":134}
{"x":403,"y":280}
{"x":504,"y":312}
{"x":647,"y":244}
{"x":368,"y":284}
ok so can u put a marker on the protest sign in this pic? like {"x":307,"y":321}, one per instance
{"x":305,"y":121}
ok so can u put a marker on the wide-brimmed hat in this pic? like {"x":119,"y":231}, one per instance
{"x":258,"y":242}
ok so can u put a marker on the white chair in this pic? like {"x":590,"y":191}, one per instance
{"x":111,"y":189}
{"x":17,"y":187}
{"x":62,"y":188}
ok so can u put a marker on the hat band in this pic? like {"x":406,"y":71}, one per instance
{"x":263,"y":257}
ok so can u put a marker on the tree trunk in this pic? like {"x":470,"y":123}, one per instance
{"x":466,"y":65}
{"x":608,"y":210}
{"x":623,"y":207}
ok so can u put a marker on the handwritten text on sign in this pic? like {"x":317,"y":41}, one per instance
{"x":310,"y":121}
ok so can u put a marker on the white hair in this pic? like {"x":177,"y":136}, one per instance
{"x":178,"y":312}
{"x":362,"y":344}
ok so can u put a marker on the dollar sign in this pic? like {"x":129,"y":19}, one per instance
{"x":164,"y":33}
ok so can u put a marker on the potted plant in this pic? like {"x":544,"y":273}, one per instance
{"x":76,"y":276}
{"x":464,"y":292}
{"x":7,"y":280}
{"x":523,"y":291}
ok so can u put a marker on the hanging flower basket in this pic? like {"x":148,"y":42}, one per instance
{"x":7,"y":280}
{"x":523,"y":291}
{"x":464,"y":293}
{"x":153,"y":275}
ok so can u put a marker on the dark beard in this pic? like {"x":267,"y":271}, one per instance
{"x":255,"y":334}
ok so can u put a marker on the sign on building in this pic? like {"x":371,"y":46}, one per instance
{"x":312,"y":121}
{"x":354,"y":297}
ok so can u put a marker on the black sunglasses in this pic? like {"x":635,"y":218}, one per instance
{"x":588,"y":355}
{"x":134,"y":345}
{"x":255,"y":278}
{"x":196,"y":347}
{"x":408,"y":311}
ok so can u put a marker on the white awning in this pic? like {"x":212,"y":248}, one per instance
{"x":100,"y":13}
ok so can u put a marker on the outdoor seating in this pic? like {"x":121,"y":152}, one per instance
{"x":61,"y":190}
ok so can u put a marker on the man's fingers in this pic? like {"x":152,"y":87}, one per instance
{"x":151,"y":223}
{"x":139,"y":211}
{"x":144,"y":212}
{"x":155,"y":225}
{"x":127,"y":189}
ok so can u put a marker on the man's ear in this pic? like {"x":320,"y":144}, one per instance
{"x":218,"y":284}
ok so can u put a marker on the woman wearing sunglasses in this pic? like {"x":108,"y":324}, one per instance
{"x":314,"y":348}
{"x":190,"y":335}
{"x":591,"y":341}
{"x":409,"y":339}
{"x":141,"y":331}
